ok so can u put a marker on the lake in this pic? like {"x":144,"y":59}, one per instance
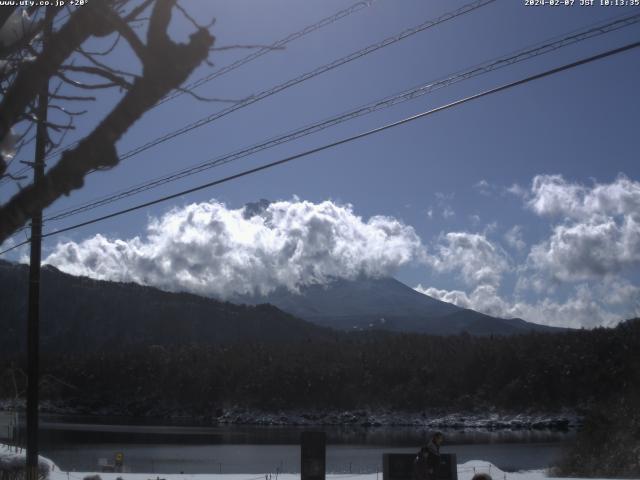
{"x":178,"y":448}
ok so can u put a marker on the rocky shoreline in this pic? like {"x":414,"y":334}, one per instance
{"x":433,"y":419}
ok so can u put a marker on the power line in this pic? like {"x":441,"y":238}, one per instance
{"x":237,"y":64}
{"x":501,"y":62}
{"x":306,"y":153}
{"x":278,"y":44}
{"x":309,"y":75}
{"x":306,"y":76}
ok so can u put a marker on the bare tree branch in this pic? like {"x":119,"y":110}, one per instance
{"x":104,"y":53}
{"x":71,"y":113}
{"x":246,"y":47}
{"x":166,"y":65}
{"x":99,"y":64}
{"x":82,"y":24}
{"x":207,"y":99}
{"x":33,"y":31}
{"x":90,"y":86}
{"x":187,"y":16}
{"x":5,"y":13}
{"x":74,"y":98}
{"x":129,"y":35}
{"x":133,"y":15}
{"x":109,"y":75}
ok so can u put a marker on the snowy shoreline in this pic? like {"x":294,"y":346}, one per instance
{"x":9,"y":458}
{"x":432,"y":420}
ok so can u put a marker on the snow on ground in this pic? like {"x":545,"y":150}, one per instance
{"x":9,"y":458}
{"x":465,"y":472}
{"x":12,"y":459}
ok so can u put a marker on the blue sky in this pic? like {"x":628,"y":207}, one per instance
{"x":524,"y":203}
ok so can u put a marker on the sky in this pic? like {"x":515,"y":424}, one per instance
{"x":525,"y":203}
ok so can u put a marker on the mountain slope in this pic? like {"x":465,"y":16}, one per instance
{"x":388,"y":304}
{"x":81,"y":314}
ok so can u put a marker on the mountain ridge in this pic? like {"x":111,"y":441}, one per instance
{"x":116,"y":316}
{"x":388,"y":304}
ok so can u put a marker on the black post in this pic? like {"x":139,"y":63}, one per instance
{"x":313,"y":455}
{"x":33,"y":320}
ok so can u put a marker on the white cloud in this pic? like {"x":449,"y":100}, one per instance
{"x":517,"y":190}
{"x":599,"y":234}
{"x":620,"y":292}
{"x":552,"y":195}
{"x":594,"y":239}
{"x":579,"y":310}
{"x":8,"y":144}
{"x":456,"y":297}
{"x":448,"y":212}
{"x":477,"y":259}
{"x":443,"y":201}
{"x":484,"y":188}
{"x":514,"y":238}
{"x":22,"y":253}
{"x":209,"y":249}
{"x":587,"y":250}
{"x":8,"y":243}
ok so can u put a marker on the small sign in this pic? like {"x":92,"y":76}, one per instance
{"x":119,"y":459}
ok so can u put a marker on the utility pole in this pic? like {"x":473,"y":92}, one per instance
{"x":33,"y":319}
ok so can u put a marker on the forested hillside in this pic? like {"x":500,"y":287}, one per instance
{"x":378,"y":370}
{"x":85,"y":315}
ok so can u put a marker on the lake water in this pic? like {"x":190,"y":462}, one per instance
{"x":257,"y":450}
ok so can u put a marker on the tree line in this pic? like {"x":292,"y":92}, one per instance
{"x":594,"y":372}
{"x":573,"y":369}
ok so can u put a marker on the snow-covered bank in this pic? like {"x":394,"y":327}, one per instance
{"x":11,"y":459}
{"x":465,"y":472}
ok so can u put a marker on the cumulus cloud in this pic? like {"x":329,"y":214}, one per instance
{"x":479,"y":262}
{"x":483,"y":298}
{"x":476,"y":258}
{"x":443,"y":201}
{"x":599,"y":231}
{"x":448,"y":212}
{"x":552,"y":195}
{"x":516,"y":190}
{"x":581,"y":309}
{"x":483,"y":187}
{"x":514,"y":238}
{"x":8,"y":243}
{"x":586,"y":250}
{"x":593,"y":243}
{"x":210,"y":249}
{"x":620,"y":292}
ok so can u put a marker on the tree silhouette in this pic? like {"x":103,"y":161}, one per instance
{"x":28,"y":62}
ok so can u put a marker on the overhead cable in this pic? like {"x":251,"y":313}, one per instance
{"x":352,"y":138}
{"x":416,"y":92}
{"x":279,"y":44}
